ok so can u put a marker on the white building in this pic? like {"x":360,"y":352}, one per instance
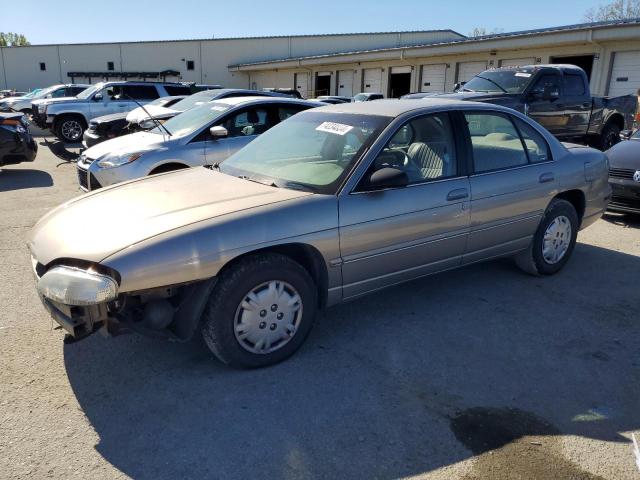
{"x":391,"y":63}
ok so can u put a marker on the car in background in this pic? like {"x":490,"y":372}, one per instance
{"x":23,"y":104}
{"x":333,"y":99}
{"x":199,"y":87}
{"x":367,"y":97}
{"x":12,"y":93}
{"x":289,"y":92}
{"x":117,"y":124}
{"x":68,"y":118}
{"x":164,"y":112}
{"x":332,"y":204}
{"x":556,"y":96}
{"x":203,"y":135}
{"x":624,"y":174}
{"x":16,"y":143}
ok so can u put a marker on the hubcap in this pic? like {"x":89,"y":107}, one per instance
{"x":71,"y":129}
{"x":556,"y":240}
{"x":268,"y":317}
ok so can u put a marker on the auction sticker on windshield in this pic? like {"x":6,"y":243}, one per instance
{"x":523,"y":74}
{"x":331,"y":127}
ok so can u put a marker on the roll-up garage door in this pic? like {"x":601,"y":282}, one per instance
{"x":345,"y":83}
{"x":372,"y":80}
{"x":625,"y":74}
{"x":468,"y":70}
{"x":433,"y":78}
{"x":302,"y":83}
{"x":517,"y":62}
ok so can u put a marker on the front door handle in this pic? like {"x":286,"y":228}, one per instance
{"x":457,"y":194}
{"x":546,"y":177}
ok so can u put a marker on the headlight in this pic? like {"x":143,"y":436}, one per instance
{"x":41,"y":108}
{"x":75,"y":286}
{"x":118,"y":160}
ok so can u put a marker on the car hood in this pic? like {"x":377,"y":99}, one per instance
{"x":138,"y":114}
{"x":97,"y":225}
{"x":12,"y":99}
{"x":132,"y":143}
{"x":625,"y":154}
{"x":49,"y":101}
{"x":108,"y":118}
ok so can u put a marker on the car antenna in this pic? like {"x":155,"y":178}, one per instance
{"x":157,"y":122}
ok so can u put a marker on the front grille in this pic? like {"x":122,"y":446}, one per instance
{"x":82,"y":179}
{"x":626,"y":173}
{"x":93,"y":181}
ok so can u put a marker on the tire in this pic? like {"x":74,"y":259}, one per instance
{"x":222,"y":319}
{"x":609,"y":137}
{"x":533,"y":260}
{"x":70,"y":128}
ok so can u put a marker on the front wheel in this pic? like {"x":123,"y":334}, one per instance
{"x":260,"y":311}
{"x":70,"y":129}
{"x":553,"y":241}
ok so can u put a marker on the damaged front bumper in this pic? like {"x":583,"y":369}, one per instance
{"x":171,"y":313}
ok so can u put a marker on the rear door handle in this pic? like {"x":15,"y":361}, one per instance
{"x":546,"y":177}
{"x":457,"y":194}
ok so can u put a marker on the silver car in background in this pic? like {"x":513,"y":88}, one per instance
{"x":203,"y":135}
{"x":332,"y":204}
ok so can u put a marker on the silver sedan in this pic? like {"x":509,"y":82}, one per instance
{"x":203,"y":135}
{"x":334,"y":203}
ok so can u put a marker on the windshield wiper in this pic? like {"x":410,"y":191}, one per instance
{"x":489,"y":80}
{"x":267,"y":183}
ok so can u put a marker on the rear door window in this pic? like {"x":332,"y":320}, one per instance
{"x":177,"y":90}
{"x":573,"y":85}
{"x":496,"y":142}
{"x":139,"y":92}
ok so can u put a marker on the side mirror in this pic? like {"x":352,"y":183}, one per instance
{"x":98,"y":97}
{"x":550,"y":93}
{"x":387,"y":177}
{"x":218,"y":132}
{"x":626,"y":134}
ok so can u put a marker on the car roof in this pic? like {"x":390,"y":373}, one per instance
{"x":261,"y":99}
{"x":395,"y":108}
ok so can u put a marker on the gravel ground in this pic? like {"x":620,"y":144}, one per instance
{"x":478,"y":373}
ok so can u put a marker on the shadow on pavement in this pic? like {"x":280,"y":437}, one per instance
{"x":387,"y":386}
{"x":623,"y":219}
{"x":18,"y":179}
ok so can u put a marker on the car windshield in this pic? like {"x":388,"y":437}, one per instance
{"x":503,"y":81}
{"x":33,"y":94}
{"x":194,"y":119}
{"x":311,"y":151}
{"x":45,"y":91}
{"x":636,"y":134}
{"x":361,"y":97}
{"x":195,"y":99}
{"x":87,"y":92}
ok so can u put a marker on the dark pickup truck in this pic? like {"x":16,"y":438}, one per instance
{"x":556,"y":96}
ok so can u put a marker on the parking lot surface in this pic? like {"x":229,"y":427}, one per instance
{"x":478,"y":373}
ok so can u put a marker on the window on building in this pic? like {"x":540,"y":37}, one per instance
{"x":110,"y":66}
{"x":191,"y":65}
{"x":43,"y":66}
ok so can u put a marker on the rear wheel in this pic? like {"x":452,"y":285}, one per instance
{"x":609,"y":137}
{"x":70,"y":128}
{"x":553,"y":242}
{"x":260,"y":312}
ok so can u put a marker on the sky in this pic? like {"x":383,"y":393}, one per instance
{"x":45,"y":21}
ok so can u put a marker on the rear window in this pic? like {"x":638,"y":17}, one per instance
{"x":573,"y":84}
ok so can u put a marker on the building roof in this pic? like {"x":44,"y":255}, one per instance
{"x":463,"y":39}
{"x":213,"y":39}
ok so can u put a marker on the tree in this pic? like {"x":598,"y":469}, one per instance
{"x":482,"y":31}
{"x":10,"y":39}
{"x":614,"y":10}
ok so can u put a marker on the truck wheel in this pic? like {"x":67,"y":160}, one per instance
{"x":260,"y":312}
{"x":609,"y":137}
{"x":553,"y":241}
{"x":70,"y":128}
